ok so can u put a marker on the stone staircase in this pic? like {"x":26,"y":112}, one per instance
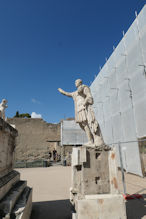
{"x":16,"y":197}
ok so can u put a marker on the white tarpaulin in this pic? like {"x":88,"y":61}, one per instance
{"x":119,"y":93}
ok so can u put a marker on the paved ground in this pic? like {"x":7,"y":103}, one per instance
{"x":51,"y":192}
{"x":136,"y":209}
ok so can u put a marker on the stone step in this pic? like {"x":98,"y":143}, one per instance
{"x":8,"y":202}
{"x":7,"y":181}
{"x":23,"y":206}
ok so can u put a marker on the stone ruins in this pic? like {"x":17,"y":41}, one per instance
{"x":35,"y":141}
{"x":15,"y":195}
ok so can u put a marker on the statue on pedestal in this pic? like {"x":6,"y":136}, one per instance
{"x":84,"y":114}
{"x":3,"y":106}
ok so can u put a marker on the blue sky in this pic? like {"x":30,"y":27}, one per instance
{"x":46,"y":44}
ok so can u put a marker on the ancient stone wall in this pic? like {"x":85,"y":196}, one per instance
{"x":35,"y":138}
{"x":15,"y":195}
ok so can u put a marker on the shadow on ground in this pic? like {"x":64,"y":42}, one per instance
{"x":60,"y":209}
{"x":136,"y":209}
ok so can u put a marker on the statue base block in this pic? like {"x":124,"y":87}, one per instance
{"x":94,"y":192}
{"x":101,"y":206}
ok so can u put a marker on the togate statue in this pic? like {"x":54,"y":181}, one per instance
{"x":3,"y":106}
{"x":84,"y":114}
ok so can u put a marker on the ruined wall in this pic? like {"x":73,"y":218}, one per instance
{"x":7,"y":145}
{"x":35,"y":138}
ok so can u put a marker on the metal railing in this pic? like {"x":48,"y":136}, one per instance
{"x":142,"y":152}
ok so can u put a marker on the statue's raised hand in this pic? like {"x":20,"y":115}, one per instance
{"x":60,"y":90}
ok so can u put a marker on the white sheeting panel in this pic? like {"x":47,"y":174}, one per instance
{"x":125,"y":98}
{"x":108,"y":132}
{"x":107,"y":108}
{"x":100,"y":113}
{"x":131,"y":158}
{"x":113,"y":80}
{"x":115,"y":106}
{"x":120,"y":104}
{"x":72,"y":134}
{"x":138,"y":85}
{"x":128,"y":123}
{"x":140,"y":117}
{"x":121,"y":71}
{"x":134,"y":53}
{"x":110,"y":65}
{"x":143,"y":45}
{"x":117,"y":128}
{"x":142,"y":20}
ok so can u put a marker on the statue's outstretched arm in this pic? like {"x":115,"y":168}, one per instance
{"x":64,"y":92}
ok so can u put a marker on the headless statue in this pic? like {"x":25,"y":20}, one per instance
{"x":84,"y":114}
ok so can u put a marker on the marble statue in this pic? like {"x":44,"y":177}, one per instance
{"x":3,"y":106}
{"x":84,"y":114}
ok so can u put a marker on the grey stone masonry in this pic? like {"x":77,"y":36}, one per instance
{"x":7,"y":146}
{"x":12,"y":189}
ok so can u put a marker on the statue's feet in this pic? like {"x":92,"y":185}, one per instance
{"x":98,"y":141}
{"x":89,"y":143}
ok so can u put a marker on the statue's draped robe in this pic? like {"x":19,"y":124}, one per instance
{"x":83,"y":109}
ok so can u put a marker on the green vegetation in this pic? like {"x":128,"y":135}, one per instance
{"x":23,"y":115}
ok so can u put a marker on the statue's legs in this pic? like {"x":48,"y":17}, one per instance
{"x":3,"y":115}
{"x":86,"y":128}
{"x":98,"y":139}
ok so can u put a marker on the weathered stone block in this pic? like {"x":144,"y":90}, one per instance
{"x":95,"y":172}
{"x":101,"y":207}
{"x":7,"y":146}
{"x":90,"y":171}
{"x":24,"y":205}
{"x":8,"y":202}
{"x":11,"y":188}
{"x":7,"y":181}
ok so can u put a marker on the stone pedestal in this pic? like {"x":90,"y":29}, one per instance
{"x":101,"y":207}
{"x":15,"y":195}
{"x":94,"y":192}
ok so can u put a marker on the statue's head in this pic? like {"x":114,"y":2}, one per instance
{"x":4,"y":101}
{"x":78,"y":82}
